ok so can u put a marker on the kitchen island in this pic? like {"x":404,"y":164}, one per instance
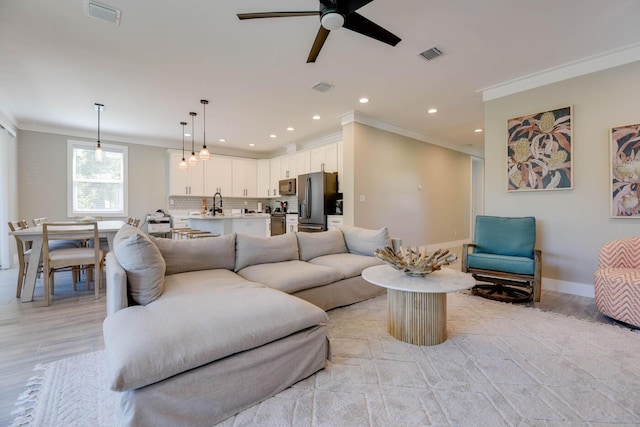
{"x":252,"y":224}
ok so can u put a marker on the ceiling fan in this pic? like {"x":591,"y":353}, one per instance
{"x":335,"y":14}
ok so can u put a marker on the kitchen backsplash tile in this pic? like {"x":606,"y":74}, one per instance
{"x":179,"y":205}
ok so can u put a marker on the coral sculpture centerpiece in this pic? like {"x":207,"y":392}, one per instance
{"x":415,"y":262}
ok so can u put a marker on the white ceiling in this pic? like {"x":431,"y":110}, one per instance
{"x":152,"y":69}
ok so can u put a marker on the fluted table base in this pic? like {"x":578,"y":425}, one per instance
{"x":418,"y":304}
{"x":416,"y":317}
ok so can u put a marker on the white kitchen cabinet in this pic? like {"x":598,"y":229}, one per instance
{"x":288,"y":167}
{"x":258,"y":227}
{"x":303,"y":163}
{"x":325,"y":158}
{"x":291,"y":223}
{"x":218,"y":176}
{"x":244,"y":178}
{"x":274,"y":177}
{"x":334,"y":222}
{"x":264,"y":181}
{"x":188,"y":182}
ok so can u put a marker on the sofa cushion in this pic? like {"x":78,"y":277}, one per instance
{"x":291,"y":276}
{"x":204,"y":280}
{"x":198,"y":254}
{"x":142,"y":261}
{"x":197,"y":325}
{"x":312,"y":245}
{"x":252,"y":250}
{"x":364,"y":241}
{"x":351,"y":265}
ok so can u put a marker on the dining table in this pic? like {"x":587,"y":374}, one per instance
{"x":106,"y":229}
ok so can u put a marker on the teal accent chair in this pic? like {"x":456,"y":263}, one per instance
{"x":503,"y":253}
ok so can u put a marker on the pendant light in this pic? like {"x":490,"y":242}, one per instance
{"x":193,"y":160}
{"x":99,"y":152}
{"x":204,"y":153}
{"x":183,"y":163}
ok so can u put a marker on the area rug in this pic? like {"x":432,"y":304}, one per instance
{"x":502,"y":365}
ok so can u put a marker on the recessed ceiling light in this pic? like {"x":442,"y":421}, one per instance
{"x":363,"y":100}
{"x":273,"y":135}
{"x":290,"y":129}
{"x":252,"y":145}
{"x":432,"y":110}
{"x":187,"y":134}
{"x":477,"y":130}
{"x":316,"y":117}
{"x":222,"y":140}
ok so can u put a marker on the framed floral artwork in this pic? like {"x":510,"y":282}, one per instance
{"x":625,"y":171}
{"x":540,"y":151}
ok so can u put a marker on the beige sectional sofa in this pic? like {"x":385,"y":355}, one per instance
{"x":198,"y":330}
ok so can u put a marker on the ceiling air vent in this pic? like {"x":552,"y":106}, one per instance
{"x":432,"y":53}
{"x":322,"y":87}
{"x":105,"y":13}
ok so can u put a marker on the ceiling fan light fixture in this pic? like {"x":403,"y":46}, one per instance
{"x":332,"y":20}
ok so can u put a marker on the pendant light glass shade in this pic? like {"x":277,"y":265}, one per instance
{"x":183,"y":163}
{"x":99,"y":152}
{"x":193,"y":160}
{"x":204,"y":153}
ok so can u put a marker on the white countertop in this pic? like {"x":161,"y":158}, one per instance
{"x":219,"y":217}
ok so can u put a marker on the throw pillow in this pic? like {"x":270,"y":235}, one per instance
{"x":313,"y":245}
{"x":363,"y":241}
{"x":198,"y":254}
{"x":142,"y":261}
{"x":252,"y":250}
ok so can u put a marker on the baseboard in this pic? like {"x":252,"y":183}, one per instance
{"x":573,"y":288}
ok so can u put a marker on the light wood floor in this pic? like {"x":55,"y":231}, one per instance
{"x":31,"y":333}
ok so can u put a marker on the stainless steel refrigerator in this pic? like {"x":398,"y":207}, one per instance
{"x":317,"y":195}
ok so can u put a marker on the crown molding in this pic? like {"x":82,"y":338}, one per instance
{"x":610,"y":59}
{"x":8,"y":123}
{"x":357,"y":117}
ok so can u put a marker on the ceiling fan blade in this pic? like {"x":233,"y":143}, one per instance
{"x":321,"y":37}
{"x":360,"y":24}
{"x":276,"y":14}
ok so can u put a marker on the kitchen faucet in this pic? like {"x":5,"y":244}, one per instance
{"x":213,"y":208}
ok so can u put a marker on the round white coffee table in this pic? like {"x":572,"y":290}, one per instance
{"x":417,"y":312}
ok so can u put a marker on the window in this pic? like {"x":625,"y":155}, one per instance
{"x":96,"y":188}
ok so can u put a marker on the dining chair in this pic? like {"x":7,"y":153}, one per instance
{"x":68,"y":259}
{"x":40,"y":221}
{"x":24,"y":255}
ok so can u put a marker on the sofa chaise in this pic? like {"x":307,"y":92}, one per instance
{"x":198,"y":330}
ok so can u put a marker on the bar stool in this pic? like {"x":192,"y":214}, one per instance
{"x":175,"y":232}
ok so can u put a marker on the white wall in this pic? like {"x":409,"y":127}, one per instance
{"x":572,"y":224}
{"x":420,"y":191}
{"x":42,"y":176}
